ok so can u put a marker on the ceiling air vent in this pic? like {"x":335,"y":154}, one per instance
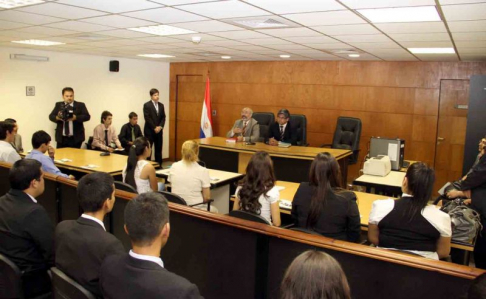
{"x":273,"y":22}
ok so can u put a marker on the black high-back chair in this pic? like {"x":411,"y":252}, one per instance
{"x":174,"y":198}
{"x":89,"y":143}
{"x":10,"y":279}
{"x":248,"y":216}
{"x":347,"y":136}
{"x":299,"y":121}
{"x":125,"y":187}
{"x":265,"y":120}
{"x":66,"y":288}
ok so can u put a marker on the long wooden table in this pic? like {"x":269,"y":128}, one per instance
{"x":291,"y":164}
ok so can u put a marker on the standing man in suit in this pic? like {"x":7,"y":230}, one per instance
{"x":83,"y":244}
{"x":141,"y":272}
{"x":282,"y":130}
{"x":130,"y":131}
{"x":154,"y":115}
{"x":26,"y":232}
{"x":69,"y":116}
{"x":246,"y":128}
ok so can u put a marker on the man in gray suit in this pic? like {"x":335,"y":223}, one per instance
{"x":246,"y":128}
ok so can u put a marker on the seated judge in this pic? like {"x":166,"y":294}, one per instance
{"x":245,"y":128}
{"x":41,"y":143}
{"x":282,"y":130}
{"x":18,"y":139}
{"x":26,"y":231}
{"x":104,"y":135}
{"x":141,"y":272}
{"x":7,"y":135}
{"x":83,"y":244}
{"x":130,"y":131}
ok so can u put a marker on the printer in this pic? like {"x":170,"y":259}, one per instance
{"x":379,"y":166}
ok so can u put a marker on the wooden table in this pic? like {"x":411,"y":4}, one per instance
{"x":390,"y":184}
{"x":291,"y":164}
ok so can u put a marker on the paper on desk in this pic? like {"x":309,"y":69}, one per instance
{"x":213,"y":179}
{"x":64,"y":160}
{"x":280,"y":188}
{"x":392,"y":151}
{"x":90,"y":166}
{"x":285,"y":203}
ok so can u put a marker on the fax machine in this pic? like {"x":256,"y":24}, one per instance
{"x":379,"y":166}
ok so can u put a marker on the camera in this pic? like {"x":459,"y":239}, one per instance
{"x":66,"y":113}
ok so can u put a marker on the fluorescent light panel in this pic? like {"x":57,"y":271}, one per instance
{"x":353,"y":55}
{"x":432,"y":50}
{"x":162,"y":30}
{"x":155,"y":56}
{"x":37,"y":42}
{"x":401,"y":14}
{"x":226,"y":57}
{"x":18,"y":3}
{"x":284,"y":56}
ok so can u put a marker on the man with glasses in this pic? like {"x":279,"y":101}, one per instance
{"x":282,"y":130}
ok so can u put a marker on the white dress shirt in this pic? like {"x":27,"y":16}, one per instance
{"x":8,"y":153}
{"x":31,"y":197}
{"x":94,"y":219}
{"x":149,"y":258}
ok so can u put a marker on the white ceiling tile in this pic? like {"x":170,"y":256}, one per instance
{"x":11,"y":25}
{"x":62,"y":11}
{"x":473,"y":57}
{"x":471,"y":44}
{"x":467,"y":26}
{"x":18,"y":35}
{"x":418,"y":27}
{"x":79,"y":26}
{"x":67,"y":40}
{"x":208,"y":26}
{"x":326,"y":18}
{"x":417,"y":37}
{"x":347,"y":29}
{"x":332,"y":46}
{"x":102,"y":44}
{"x":290,"y":32}
{"x":224,"y":9}
{"x":292,"y":6}
{"x":288,"y":47}
{"x":268,"y":52}
{"x":427,"y":44}
{"x":159,"y":39}
{"x":27,"y":18}
{"x":437,"y":57}
{"x":129,"y":42}
{"x":244,"y":34}
{"x":158,"y":46}
{"x":267,"y":41}
{"x":204,"y":37}
{"x":166,"y":15}
{"x":47,"y":31}
{"x":446,"y":2}
{"x":251,"y":48}
{"x":365,"y":38}
{"x":466,"y":51}
{"x":307,"y":52}
{"x":465,"y":12}
{"x":312,"y":40}
{"x":226,"y":43}
{"x":362,"y":57}
{"x":6,"y":38}
{"x":112,"y":6}
{"x":397,"y":57}
{"x":379,"y":51}
{"x":118,"y":21}
{"x":385,"y":45}
{"x":357,"y":4}
{"x":123,"y":33}
{"x":471,"y":36}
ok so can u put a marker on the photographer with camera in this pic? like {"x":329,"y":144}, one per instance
{"x":69,"y":116}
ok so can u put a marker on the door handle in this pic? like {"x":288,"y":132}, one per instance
{"x":440,"y":138}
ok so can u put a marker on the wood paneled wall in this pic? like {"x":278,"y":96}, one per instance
{"x":393,"y":99}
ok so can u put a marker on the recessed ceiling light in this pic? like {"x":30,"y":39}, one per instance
{"x":284,"y":56}
{"x":226,"y":57}
{"x":162,"y":30}
{"x":155,"y":56}
{"x":432,"y":50}
{"x":37,"y":42}
{"x":18,"y":3}
{"x":401,"y":14}
{"x":353,"y":55}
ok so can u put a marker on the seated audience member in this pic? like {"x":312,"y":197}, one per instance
{"x":41,"y":144}
{"x":323,"y":206}
{"x":138,"y":172}
{"x":7,"y":135}
{"x":477,"y":289}
{"x":83,"y":244}
{"x":190,"y":180}
{"x":129,"y":132}
{"x":283,"y":130}
{"x":257,"y":192}
{"x":26,"y":232}
{"x":245,"y":128}
{"x":141,"y":272}
{"x":409,"y":224}
{"x":18,"y":139}
{"x":104,"y":135}
{"x":314,"y":275}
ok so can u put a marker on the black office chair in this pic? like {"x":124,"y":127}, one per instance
{"x":249,"y":216}
{"x":347,"y":136}
{"x":202,"y":163}
{"x":89,"y":143}
{"x":66,"y":288}
{"x":299,"y":121}
{"x":265,"y":120}
{"x":125,"y":187}
{"x":10,"y":279}
{"x":171,"y":197}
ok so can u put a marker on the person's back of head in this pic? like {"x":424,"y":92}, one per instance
{"x":477,"y":289}
{"x":27,"y":174}
{"x":6,"y":128}
{"x":314,"y":275}
{"x":419,"y":182}
{"x":190,"y":151}
{"x":96,"y":192}
{"x":139,"y":148}
{"x":39,"y":138}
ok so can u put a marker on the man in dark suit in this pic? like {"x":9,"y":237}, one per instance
{"x":283,"y":130}
{"x":141,"y":273}
{"x":130,"y":131}
{"x":69,"y":116}
{"x":26,"y":232}
{"x":154,"y":115}
{"x":83,"y":244}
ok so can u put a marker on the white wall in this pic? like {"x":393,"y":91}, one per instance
{"x":93,"y":84}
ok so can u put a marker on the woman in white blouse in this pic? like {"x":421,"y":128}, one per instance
{"x":139,"y":172}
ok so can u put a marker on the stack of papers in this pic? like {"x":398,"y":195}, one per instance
{"x":285,"y":204}
{"x":90,"y":166}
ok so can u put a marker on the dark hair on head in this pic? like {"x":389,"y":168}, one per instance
{"x":132,"y":115}
{"x":324,"y":176}
{"x":314,"y":275}
{"x":6,"y":126}
{"x":285,"y":112}
{"x":93,"y":190}
{"x":105,"y":115}
{"x":477,"y":288}
{"x":39,"y":138}
{"x":420,"y":181}
{"x":153,"y":91}
{"x":65,"y":89}
{"x":259,"y":179}
{"x":23,"y":172}
{"x":136,"y":150}
{"x":145,"y":216}
{"x":11,"y":120}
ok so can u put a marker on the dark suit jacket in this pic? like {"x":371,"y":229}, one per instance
{"x":82,"y":115}
{"x":153,"y":120}
{"x":26,"y":232}
{"x":126,"y":134}
{"x":339,"y":217}
{"x":125,"y":277}
{"x":81,"y":246}
{"x":290,"y":133}
{"x":476,"y":182}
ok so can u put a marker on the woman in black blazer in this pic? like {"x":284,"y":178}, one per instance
{"x":323,"y":206}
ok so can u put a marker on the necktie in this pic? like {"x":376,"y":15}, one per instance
{"x":133,"y":133}
{"x":106,"y":137}
{"x":244,"y":128}
{"x":281,"y":133}
{"x":156,"y":108}
{"x":66,"y":127}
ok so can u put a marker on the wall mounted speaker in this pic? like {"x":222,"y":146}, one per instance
{"x":114,"y":66}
